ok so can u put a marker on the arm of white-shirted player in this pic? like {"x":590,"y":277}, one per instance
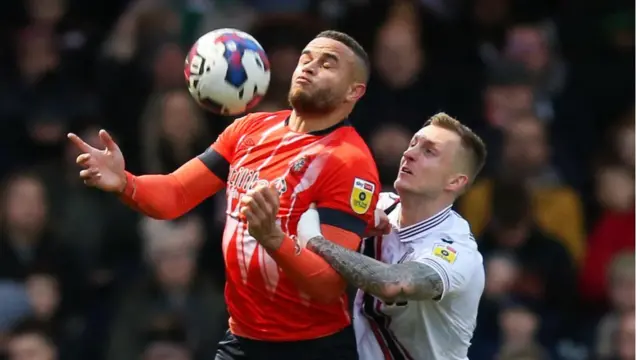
{"x":388,"y":282}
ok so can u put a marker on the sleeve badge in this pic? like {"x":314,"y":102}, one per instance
{"x":445,"y":252}
{"x":362,"y":195}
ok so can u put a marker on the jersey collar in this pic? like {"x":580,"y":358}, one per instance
{"x":410,"y":232}
{"x":329,"y":130}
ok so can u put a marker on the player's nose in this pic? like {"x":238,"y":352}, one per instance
{"x":309,"y":68}
{"x":409,"y":154}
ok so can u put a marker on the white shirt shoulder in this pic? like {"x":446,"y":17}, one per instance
{"x":452,"y":252}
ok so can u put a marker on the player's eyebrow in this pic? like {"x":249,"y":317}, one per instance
{"x":425,"y":140}
{"x":325,"y":55}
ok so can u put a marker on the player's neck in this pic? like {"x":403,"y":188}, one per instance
{"x":310,"y":122}
{"x":415,"y":209}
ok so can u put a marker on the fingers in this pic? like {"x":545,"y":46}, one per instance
{"x":382,"y":225}
{"x":381,"y":220}
{"x":84,"y":160}
{"x":250,"y":215}
{"x":260,"y":204}
{"x":312,"y":206}
{"x":79,"y":143}
{"x":252,"y":209}
{"x":107,"y":140}
{"x":90,"y":176}
{"x":272,"y":197}
{"x":262,"y":198}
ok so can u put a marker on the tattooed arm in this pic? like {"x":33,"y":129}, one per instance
{"x":388,"y":282}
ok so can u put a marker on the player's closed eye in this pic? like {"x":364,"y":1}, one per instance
{"x":429,"y":151}
{"x":304,"y":59}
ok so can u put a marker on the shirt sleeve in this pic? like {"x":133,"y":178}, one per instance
{"x":455,"y":264}
{"x":347,"y":193}
{"x":218,"y":157}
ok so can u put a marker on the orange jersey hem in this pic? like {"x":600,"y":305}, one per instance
{"x":313,"y":333}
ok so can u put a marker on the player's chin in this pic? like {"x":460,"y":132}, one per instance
{"x":298,"y":92}
{"x":402,"y":184}
{"x":300,"y":99}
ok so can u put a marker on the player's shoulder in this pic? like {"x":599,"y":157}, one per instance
{"x":457,"y":249}
{"x":348,"y":148}
{"x":352,"y":141}
{"x":454,"y":234}
{"x":457,"y":228}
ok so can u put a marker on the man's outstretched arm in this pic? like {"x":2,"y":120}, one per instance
{"x":172,"y":195}
{"x":389,"y":282}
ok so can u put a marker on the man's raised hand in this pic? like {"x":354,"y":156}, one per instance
{"x":102,"y":169}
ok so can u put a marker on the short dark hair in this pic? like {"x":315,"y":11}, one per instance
{"x":511,"y":202}
{"x":472,"y":144}
{"x":352,"y":44}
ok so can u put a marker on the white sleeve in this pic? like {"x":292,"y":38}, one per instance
{"x":385,"y":200}
{"x":455,"y":264}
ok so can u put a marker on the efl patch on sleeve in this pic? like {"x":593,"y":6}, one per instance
{"x":362,"y":195}
{"x":445,"y":252}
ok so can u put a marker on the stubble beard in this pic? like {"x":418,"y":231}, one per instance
{"x":318,"y":102}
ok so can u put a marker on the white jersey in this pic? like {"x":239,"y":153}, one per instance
{"x":428,"y":329}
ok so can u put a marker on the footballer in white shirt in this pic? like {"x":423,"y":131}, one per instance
{"x":421,"y":276}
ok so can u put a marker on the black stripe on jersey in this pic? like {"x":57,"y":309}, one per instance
{"x":392,"y":207}
{"x":216,"y":163}
{"x":378,"y":321}
{"x":327,"y":131}
{"x":342,"y":220}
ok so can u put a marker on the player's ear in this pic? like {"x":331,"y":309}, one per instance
{"x":457,"y":183}
{"x":356,"y":91}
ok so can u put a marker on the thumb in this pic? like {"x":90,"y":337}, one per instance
{"x":107,"y":141}
{"x":378,"y":217}
{"x":312,"y":206}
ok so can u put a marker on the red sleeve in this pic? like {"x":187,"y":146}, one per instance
{"x":170,"y":196}
{"x":347,"y":193}
{"x":599,"y":254}
{"x":309,"y":271}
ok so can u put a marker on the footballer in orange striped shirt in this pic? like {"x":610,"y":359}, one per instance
{"x":286,"y":302}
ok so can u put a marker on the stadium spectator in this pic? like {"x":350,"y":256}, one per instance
{"x":557,"y":209}
{"x":622,"y":296}
{"x":31,"y":340}
{"x":172,"y":286}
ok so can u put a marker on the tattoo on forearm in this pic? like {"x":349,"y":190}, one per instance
{"x":389,"y":282}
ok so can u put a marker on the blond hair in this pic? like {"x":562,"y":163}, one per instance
{"x":474,"y":154}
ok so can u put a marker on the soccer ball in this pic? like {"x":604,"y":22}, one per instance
{"x":227,"y":71}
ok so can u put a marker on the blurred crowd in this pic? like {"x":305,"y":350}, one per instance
{"x":548,"y":84}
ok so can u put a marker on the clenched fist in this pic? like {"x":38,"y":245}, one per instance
{"x":260,"y":206}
